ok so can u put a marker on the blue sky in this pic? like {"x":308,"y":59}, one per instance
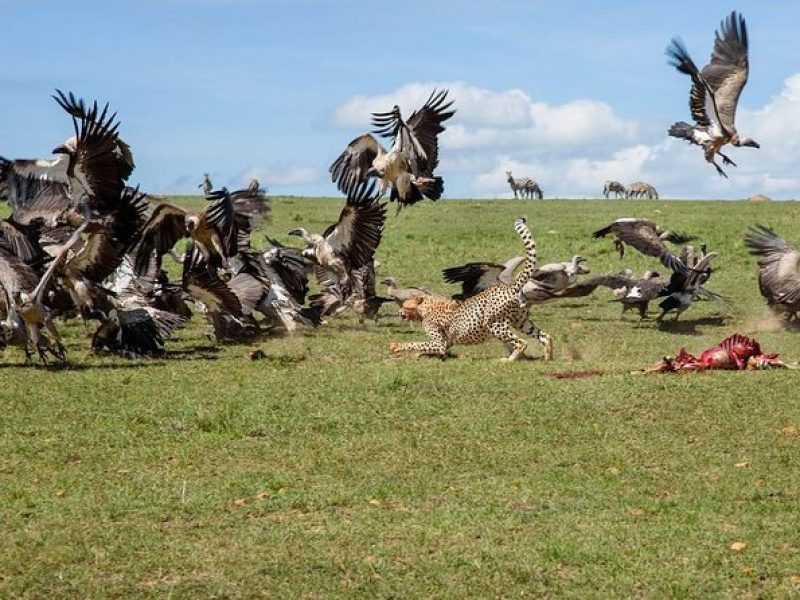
{"x":570,"y":93}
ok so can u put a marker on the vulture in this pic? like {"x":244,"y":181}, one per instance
{"x":715,"y":91}
{"x":547,"y":279}
{"x":400,"y":295}
{"x":214,"y":232}
{"x":778,"y":280}
{"x":632,"y":292}
{"x":350,"y":243}
{"x":475,"y":277}
{"x":136,"y":329}
{"x":647,"y":237}
{"x":30,"y":305}
{"x":97,"y":162}
{"x":684,"y":286}
{"x":16,"y":277}
{"x":220,"y":303}
{"x":359,"y":295}
{"x":108,"y":240}
{"x":408,"y":166}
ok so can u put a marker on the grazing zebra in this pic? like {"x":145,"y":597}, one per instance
{"x":640,"y":189}
{"x":616,"y":188}
{"x":533,"y":189}
{"x":524,"y":187}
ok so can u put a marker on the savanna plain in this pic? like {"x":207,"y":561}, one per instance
{"x":332,"y":469}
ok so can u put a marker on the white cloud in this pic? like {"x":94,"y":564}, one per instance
{"x":571,"y":148}
{"x":505,"y":119}
{"x":278,"y":175}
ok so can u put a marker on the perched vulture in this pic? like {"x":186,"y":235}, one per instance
{"x":408,"y":166}
{"x":715,"y":91}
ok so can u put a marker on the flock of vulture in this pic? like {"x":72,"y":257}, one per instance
{"x":81,"y":243}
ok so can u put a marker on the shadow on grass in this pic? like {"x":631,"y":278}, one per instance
{"x":139,"y":364}
{"x":689,"y":326}
{"x":193,"y":353}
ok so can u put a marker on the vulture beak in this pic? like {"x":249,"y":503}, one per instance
{"x":296,"y":232}
{"x":62,"y":149}
{"x":752,"y":144}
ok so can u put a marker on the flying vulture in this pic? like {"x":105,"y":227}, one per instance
{"x":408,"y":166}
{"x":647,"y":237}
{"x":715,"y":91}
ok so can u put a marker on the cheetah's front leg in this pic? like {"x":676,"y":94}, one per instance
{"x":436,"y":344}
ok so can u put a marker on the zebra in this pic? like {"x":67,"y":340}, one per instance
{"x":614,"y":187}
{"x":524,"y":187}
{"x":532,"y":188}
{"x":206,"y":185}
{"x":254,"y":187}
{"x":640,"y":189}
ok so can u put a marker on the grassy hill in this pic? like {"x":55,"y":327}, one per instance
{"x":331,"y":469}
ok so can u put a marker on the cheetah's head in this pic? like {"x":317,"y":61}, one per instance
{"x":411,"y":308}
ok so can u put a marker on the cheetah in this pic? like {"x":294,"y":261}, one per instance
{"x":491,"y":313}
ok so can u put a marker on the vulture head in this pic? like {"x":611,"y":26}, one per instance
{"x":749,"y":142}
{"x":68,"y":147}
{"x":302,"y":233}
{"x":192,"y":223}
{"x":579,"y":265}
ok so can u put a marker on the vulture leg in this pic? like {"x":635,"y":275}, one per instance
{"x":620,"y":247}
{"x":719,"y":170}
{"x":726,"y":160}
{"x":60,"y":352}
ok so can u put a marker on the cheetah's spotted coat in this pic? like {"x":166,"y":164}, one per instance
{"x":491,"y":313}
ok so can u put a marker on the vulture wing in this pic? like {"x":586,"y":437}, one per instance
{"x":474,"y":277}
{"x":727,"y":72}
{"x":702,"y":101}
{"x":777,"y":262}
{"x":358,"y":232}
{"x":77,"y":109}
{"x":424,"y":127}
{"x":204,"y":285}
{"x":104,"y":250}
{"x":160,"y":233}
{"x":15,"y":275}
{"x":417,"y":138}
{"x":352,"y":166}
{"x":221,"y":215}
{"x":94,"y":172}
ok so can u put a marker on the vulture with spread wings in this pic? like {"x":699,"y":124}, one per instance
{"x":408,"y":166}
{"x":213,"y":231}
{"x":778,"y":280}
{"x":350,"y":243}
{"x":715,"y":91}
{"x":647,"y":237}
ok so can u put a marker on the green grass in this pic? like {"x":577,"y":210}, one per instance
{"x":331,"y":469}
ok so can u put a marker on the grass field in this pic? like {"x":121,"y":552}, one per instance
{"x":331,"y":469}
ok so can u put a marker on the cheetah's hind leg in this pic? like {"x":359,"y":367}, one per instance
{"x":545,"y":339}
{"x":503,"y":332}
